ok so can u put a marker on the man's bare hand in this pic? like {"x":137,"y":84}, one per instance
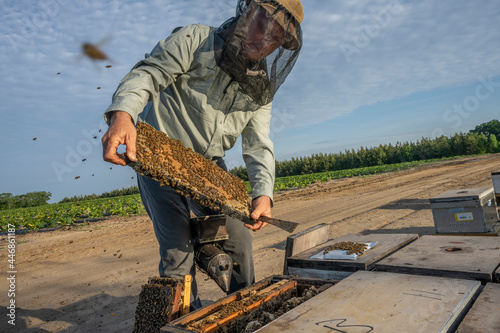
{"x":121,"y":131}
{"x":261,"y":206}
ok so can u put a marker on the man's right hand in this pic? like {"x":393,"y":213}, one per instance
{"x":121,"y":131}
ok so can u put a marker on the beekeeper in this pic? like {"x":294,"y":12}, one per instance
{"x":205,"y":87}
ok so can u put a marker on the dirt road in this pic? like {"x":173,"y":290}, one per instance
{"x":88,"y":278}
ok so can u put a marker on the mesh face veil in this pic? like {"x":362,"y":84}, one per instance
{"x":258,"y":47}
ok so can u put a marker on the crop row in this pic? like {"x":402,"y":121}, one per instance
{"x":54,"y":215}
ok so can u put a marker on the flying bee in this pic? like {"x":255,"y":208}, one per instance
{"x":34,"y":139}
{"x":77,"y":177}
{"x":93,"y":51}
{"x":95,"y":136}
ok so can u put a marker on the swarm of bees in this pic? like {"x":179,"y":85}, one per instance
{"x":169,"y":162}
{"x":155,"y":304}
{"x":350,"y":247}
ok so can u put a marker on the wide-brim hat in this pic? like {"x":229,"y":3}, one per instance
{"x":295,"y":9}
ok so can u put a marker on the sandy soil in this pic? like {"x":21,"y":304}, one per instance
{"x":88,"y":278}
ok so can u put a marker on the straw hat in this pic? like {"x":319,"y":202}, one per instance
{"x":294,"y":8}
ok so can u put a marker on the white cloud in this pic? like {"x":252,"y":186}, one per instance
{"x":391,"y":49}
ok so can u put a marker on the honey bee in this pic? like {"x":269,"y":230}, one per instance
{"x":34,"y":139}
{"x":98,"y":88}
{"x":77,"y":177}
{"x":83,"y":160}
{"x":93,"y":52}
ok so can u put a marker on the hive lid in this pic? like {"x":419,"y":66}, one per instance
{"x":462,"y":195}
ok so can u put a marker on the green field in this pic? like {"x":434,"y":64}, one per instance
{"x":54,"y":215}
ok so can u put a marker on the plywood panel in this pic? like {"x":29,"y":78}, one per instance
{"x":467,"y":257}
{"x":382,"y":302}
{"x":484,"y":316}
{"x":387,"y":244}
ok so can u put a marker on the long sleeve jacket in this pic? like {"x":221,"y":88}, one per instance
{"x":180,"y":90}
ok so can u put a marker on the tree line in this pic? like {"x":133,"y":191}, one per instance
{"x":31,"y":199}
{"x":483,"y":139}
{"x":114,"y":193}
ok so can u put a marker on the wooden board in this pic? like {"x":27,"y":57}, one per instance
{"x":304,"y":240}
{"x":301,"y":264}
{"x":475,"y":257}
{"x":484,"y":316}
{"x":382,"y":302}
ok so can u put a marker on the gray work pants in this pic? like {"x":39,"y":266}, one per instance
{"x":169,"y":212}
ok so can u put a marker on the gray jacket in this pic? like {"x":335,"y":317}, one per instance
{"x":179,"y":90}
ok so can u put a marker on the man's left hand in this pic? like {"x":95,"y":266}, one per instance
{"x":261,"y":206}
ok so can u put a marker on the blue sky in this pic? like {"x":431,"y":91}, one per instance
{"x":370,"y":73}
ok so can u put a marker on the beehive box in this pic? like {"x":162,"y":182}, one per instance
{"x":465,"y":211}
{"x":301,"y":264}
{"x":382,"y":302}
{"x":484,"y":316}
{"x":464,"y":257}
{"x":250,"y":308}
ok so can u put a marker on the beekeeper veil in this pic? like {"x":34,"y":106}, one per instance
{"x":259,"y":46}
